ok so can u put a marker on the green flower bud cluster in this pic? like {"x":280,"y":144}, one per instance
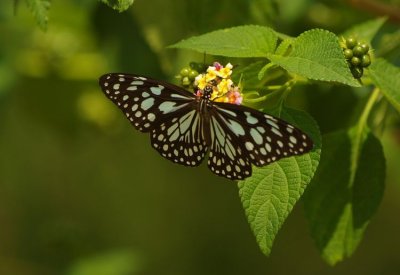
{"x":187,"y":76}
{"x":357,"y":56}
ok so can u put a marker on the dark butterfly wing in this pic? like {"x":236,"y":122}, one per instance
{"x":167,"y":111}
{"x":251,"y":136}
{"x":227,"y":157}
{"x":180,"y":137}
{"x":144,"y":101}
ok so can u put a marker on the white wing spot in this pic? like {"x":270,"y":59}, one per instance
{"x":134,"y":107}
{"x":145,"y":94}
{"x":121,"y":79}
{"x":272,"y":123}
{"x":151,"y":116}
{"x":276,"y":132}
{"x":179,"y":96}
{"x":125,"y":97}
{"x":136,"y":83}
{"x":268,"y":147}
{"x":249,"y":145}
{"x":293,"y":139}
{"x":250,"y":119}
{"x":261,"y":129}
{"x":280,"y":143}
{"x":263,"y":152}
{"x":147,"y":103}
{"x":116,"y":86}
{"x":228,"y":112}
{"x":165,"y":147}
{"x":138,"y":114}
{"x":157,"y":90}
{"x":256,"y":136}
{"x":132,"y":88}
{"x":289,"y":129}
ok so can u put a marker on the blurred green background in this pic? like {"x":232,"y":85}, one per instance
{"x":83,"y":193}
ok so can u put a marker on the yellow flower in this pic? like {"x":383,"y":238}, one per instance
{"x":210,"y":75}
{"x":226,"y":71}
{"x":224,"y":86}
{"x":200,"y":81}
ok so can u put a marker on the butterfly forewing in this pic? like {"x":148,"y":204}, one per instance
{"x":144,"y":101}
{"x":167,"y":111}
{"x":252,"y":136}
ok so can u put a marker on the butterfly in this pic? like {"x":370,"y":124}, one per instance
{"x":185,"y":126}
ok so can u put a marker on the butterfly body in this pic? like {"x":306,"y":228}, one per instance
{"x":185,"y":126}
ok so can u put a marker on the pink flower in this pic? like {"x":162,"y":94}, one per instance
{"x":217,"y":66}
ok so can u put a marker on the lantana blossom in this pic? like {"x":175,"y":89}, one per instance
{"x":218,"y":78}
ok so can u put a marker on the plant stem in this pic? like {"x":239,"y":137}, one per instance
{"x":367,"y":109}
{"x":358,"y":138}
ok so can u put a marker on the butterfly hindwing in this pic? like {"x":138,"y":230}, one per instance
{"x":180,"y":137}
{"x":227,"y":157}
{"x":144,"y":101}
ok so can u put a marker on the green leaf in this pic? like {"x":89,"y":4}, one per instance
{"x":269,"y":195}
{"x":119,"y":5}
{"x":316,"y":54}
{"x":249,"y":75}
{"x":389,"y":45}
{"x":40,"y":9}
{"x":365,"y":31}
{"x":387,"y":78}
{"x":345,"y":192}
{"x":243,"y":41}
{"x":282,"y":49}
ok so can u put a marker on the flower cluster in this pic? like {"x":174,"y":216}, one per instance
{"x":218,"y":78}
